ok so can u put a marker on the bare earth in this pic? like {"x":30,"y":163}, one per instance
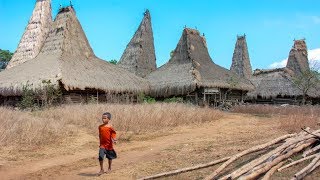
{"x":145,"y":154}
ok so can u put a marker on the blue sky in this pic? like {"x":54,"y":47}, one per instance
{"x":270,"y":25}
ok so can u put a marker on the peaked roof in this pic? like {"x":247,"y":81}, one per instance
{"x":298,"y":57}
{"x":276,"y":82}
{"x":67,"y":58}
{"x":272,"y":83}
{"x":191,"y":67}
{"x":279,"y":82}
{"x":139,"y":56}
{"x":241,"y":61}
{"x":34,"y":35}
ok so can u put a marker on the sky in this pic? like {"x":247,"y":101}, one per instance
{"x":270,"y":26}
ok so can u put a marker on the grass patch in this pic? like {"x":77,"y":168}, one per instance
{"x":50,"y":126}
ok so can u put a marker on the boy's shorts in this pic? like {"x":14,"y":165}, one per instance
{"x":110,"y":154}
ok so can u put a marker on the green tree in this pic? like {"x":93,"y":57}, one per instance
{"x":113,"y":61}
{"x":5,"y":55}
{"x":306,"y":81}
{"x":49,"y":93}
{"x":28,"y":97}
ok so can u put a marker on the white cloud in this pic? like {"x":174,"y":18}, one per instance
{"x":316,"y":19}
{"x":313,"y":56}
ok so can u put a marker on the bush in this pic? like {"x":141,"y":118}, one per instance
{"x":49,"y":94}
{"x":28,"y":97}
{"x":174,"y":100}
{"x":149,"y":100}
{"x":146,"y":99}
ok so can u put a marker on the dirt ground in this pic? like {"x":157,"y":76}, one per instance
{"x":145,"y":154}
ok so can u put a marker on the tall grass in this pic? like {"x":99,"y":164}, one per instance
{"x":50,"y":125}
{"x":291,"y":118}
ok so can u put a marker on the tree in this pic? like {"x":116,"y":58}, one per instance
{"x":28,"y":97}
{"x":307,"y":81}
{"x":113,"y":61}
{"x":49,"y":93}
{"x":5,"y":55}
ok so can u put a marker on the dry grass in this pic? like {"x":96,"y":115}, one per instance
{"x":49,"y":126}
{"x":291,"y":118}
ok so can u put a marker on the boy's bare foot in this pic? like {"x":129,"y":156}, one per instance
{"x":101,"y":172}
{"x":109,"y":170}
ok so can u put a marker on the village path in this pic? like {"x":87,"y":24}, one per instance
{"x":236,"y":132}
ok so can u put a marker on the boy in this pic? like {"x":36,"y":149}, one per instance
{"x":107,"y":136}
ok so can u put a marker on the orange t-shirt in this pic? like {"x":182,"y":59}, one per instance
{"x":106,"y":134}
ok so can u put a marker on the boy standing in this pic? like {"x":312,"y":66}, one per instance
{"x":107,"y":136}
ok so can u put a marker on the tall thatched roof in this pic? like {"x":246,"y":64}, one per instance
{"x":139,"y":56}
{"x":298,"y":57}
{"x":272,"y":83}
{"x":279,"y":82}
{"x":34,"y":35}
{"x":191,"y":67}
{"x":276,"y":82}
{"x":67,"y":57}
{"x":241,"y":61}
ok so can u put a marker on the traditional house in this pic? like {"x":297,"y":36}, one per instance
{"x":67,"y":60}
{"x":241,"y":61}
{"x":139,"y":56}
{"x":190,"y":73}
{"x":35,"y":34}
{"x":276,"y":86}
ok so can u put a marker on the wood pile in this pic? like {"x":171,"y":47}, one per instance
{"x":277,"y":155}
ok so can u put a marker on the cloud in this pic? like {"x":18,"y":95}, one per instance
{"x":313,"y":56}
{"x":316,"y":19}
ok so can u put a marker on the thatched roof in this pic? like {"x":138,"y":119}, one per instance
{"x":67,"y":57}
{"x":241,"y":61}
{"x":34,"y":35}
{"x":191,"y":67}
{"x":298,"y":57}
{"x":272,"y":83}
{"x":279,"y":82}
{"x":139,"y":56}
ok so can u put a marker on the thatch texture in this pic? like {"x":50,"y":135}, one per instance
{"x":298,"y":57}
{"x":34,"y":35}
{"x":191,"y":67}
{"x":139,"y":56}
{"x":67,"y":58}
{"x":279,"y":82}
{"x":241,"y":61}
{"x":272,"y":83}
{"x":276,"y":82}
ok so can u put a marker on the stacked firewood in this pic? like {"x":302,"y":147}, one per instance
{"x":289,"y":145}
{"x":276,"y":156}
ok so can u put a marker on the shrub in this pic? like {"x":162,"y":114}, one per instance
{"x":28,"y":97}
{"x":174,"y":100}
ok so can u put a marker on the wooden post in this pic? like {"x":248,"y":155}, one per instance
{"x":196,"y":97}
{"x":97,"y":97}
{"x":204,"y":98}
{"x":242,"y":100}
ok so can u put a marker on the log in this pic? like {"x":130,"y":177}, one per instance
{"x":248,"y":151}
{"x":290,"y":142}
{"x":267,"y":166}
{"x":256,"y":162}
{"x":178,"y":171}
{"x":276,"y":156}
{"x":310,"y":151}
{"x":315,"y":135}
{"x":301,"y":174}
{"x":297,"y":162}
{"x":268,"y":175}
